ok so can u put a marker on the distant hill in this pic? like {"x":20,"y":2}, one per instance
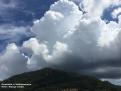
{"x":56,"y":80}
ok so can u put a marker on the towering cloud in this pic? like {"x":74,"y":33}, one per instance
{"x":67,"y":38}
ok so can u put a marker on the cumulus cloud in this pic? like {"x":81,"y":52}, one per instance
{"x":116,"y":12}
{"x":88,"y":39}
{"x":68,"y":39}
{"x":89,"y":6}
{"x":12,"y":62}
{"x":41,"y":56}
{"x":62,"y":17}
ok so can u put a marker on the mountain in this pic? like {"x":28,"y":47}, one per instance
{"x":57,"y":80}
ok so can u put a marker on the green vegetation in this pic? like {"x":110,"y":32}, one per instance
{"x":57,"y":80}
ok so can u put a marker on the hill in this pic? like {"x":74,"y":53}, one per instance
{"x":56,"y":80}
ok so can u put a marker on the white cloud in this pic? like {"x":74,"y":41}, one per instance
{"x":41,"y":55}
{"x":92,"y":12}
{"x":108,"y":34}
{"x":116,"y":12}
{"x":62,"y":17}
{"x":65,"y":31}
{"x":87,"y":38}
{"x":12,"y":62}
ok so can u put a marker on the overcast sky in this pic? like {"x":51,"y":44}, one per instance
{"x":75,"y":35}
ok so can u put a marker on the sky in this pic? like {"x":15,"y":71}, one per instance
{"x":71,"y":35}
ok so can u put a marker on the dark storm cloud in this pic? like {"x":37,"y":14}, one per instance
{"x":111,"y":68}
